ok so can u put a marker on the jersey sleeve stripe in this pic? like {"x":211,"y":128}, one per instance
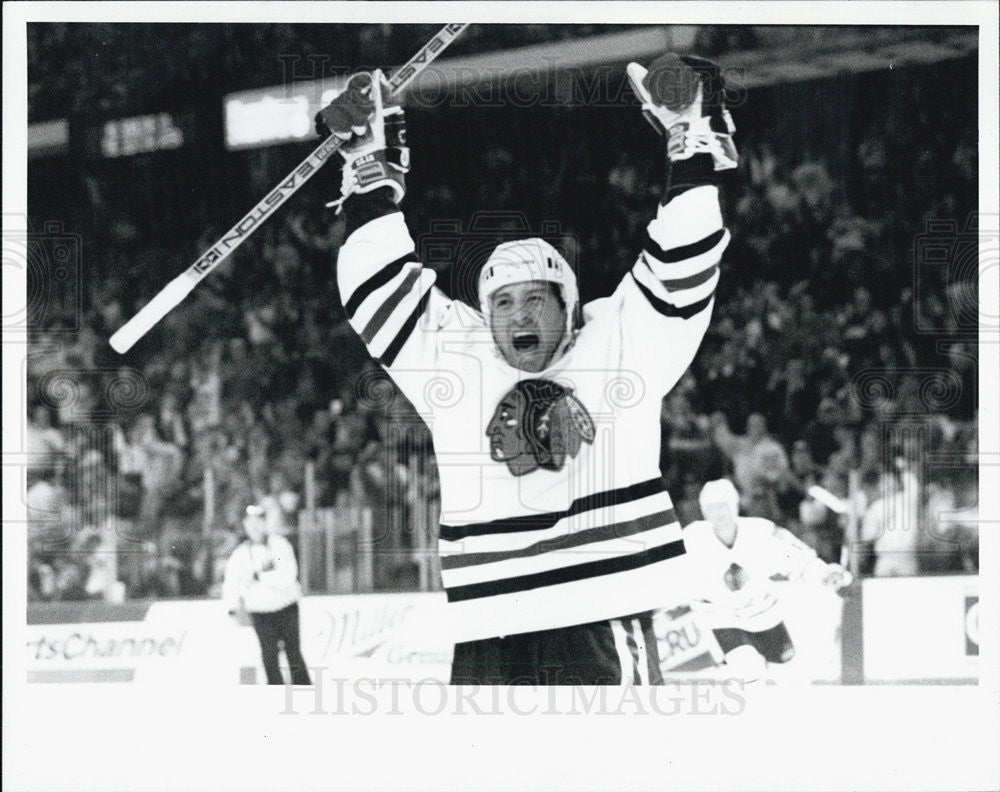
{"x":389,"y":356}
{"x":565,"y":542}
{"x":380,"y":278}
{"x":678,"y":297}
{"x":672,"y":311}
{"x":689,"y":266}
{"x":391,"y":303}
{"x":568,"y":574}
{"x":683,"y":252}
{"x":688,"y":282}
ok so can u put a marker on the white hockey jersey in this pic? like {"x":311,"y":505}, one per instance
{"x":552,"y":508}
{"x":734,"y":586}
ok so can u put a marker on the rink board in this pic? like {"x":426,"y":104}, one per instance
{"x":895,"y":630}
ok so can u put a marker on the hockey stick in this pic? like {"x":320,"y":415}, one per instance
{"x":828,"y":499}
{"x":180,"y":287}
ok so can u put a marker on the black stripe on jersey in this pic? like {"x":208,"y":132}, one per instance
{"x":565,"y":542}
{"x":652,"y":658}
{"x":380,"y":278}
{"x":391,"y":304}
{"x":633,"y":648}
{"x":387,"y":357}
{"x":569,"y":574}
{"x":677,"y":284}
{"x":683,"y":252}
{"x":535,"y":522}
{"x":672,"y":311}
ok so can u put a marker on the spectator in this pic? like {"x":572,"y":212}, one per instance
{"x":819,"y":433}
{"x":205,"y":409}
{"x":47,"y":508}
{"x":687,"y":507}
{"x":758,"y":459}
{"x":891,"y":524}
{"x":791,"y":402}
{"x":280,"y":506}
{"x":802,"y":465}
{"x":817,"y":289}
{"x":43,"y":440}
{"x":686,"y":446}
{"x":170,"y":421}
{"x":841,"y":462}
{"x":157,"y":463}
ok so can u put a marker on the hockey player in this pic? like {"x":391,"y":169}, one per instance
{"x":557,"y":536}
{"x":734,"y":562}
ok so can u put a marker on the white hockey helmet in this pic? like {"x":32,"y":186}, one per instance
{"x":719,"y":491}
{"x":526,"y":260}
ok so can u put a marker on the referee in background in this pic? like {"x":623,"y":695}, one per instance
{"x":262,"y":579}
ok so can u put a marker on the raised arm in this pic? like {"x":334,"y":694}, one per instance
{"x":793,"y":559}
{"x":389,"y":298}
{"x":667,"y":298}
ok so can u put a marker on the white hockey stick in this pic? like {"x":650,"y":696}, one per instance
{"x":828,"y":499}
{"x":180,"y":287}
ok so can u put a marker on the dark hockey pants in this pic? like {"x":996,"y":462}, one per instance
{"x":615,"y":652}
{"x":281,"y":625}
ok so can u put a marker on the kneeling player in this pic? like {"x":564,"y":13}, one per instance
{"x":735,"y":561}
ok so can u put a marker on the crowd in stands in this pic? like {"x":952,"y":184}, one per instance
{"x":104,"y":68}
{"x":815,"y":370}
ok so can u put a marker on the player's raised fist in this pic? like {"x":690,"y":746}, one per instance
{"x":349,"y":112}
{"x":683,"y":97}
{"x":374,"y":130}
{"x":670,"y":82}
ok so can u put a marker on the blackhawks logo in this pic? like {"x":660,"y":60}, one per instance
{"x":735,"y":577}
{"x":537,"y":425}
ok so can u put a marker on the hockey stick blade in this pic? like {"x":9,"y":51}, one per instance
{"x":180,"y":287}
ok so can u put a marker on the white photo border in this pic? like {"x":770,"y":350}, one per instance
{"x":104,"y":737}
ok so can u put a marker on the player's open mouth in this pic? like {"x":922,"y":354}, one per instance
{"x":525,"y":342}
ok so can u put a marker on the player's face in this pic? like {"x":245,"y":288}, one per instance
{"x":254,"y":526}
{"x":528,"y":321}
{"x":720,"y":514}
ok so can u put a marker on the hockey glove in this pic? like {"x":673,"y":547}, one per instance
{"x":837,"y":577}
{"x":375,"y":152}
{"x":683,"y":97}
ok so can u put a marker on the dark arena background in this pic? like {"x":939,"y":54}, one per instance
{"x":842,"y":352}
